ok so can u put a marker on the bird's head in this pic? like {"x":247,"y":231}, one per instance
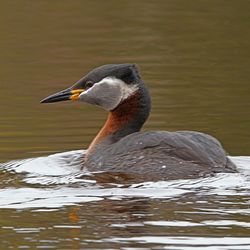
{"x":106,"y":86}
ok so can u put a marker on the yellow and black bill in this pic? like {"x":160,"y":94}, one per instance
{"x":65,"y":95}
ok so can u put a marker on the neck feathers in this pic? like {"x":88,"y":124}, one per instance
{"x":125,"y":119}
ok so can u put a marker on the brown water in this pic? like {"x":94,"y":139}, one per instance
{"x":193,"y":55}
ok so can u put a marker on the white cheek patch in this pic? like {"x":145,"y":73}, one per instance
{"x":108,"y":93}
{"x":125,"y":89}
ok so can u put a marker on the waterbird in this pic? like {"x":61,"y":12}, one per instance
{"x":120,"y":146}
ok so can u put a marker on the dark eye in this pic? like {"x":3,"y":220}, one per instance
{"x":89,"y":84}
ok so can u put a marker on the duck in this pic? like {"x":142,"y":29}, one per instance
{"x":121,"y":147}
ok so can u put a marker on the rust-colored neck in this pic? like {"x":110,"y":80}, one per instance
{"x":120,"y":122}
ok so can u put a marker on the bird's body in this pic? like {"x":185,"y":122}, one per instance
{"x":120,"y":147}
{"x":162,"y":155}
